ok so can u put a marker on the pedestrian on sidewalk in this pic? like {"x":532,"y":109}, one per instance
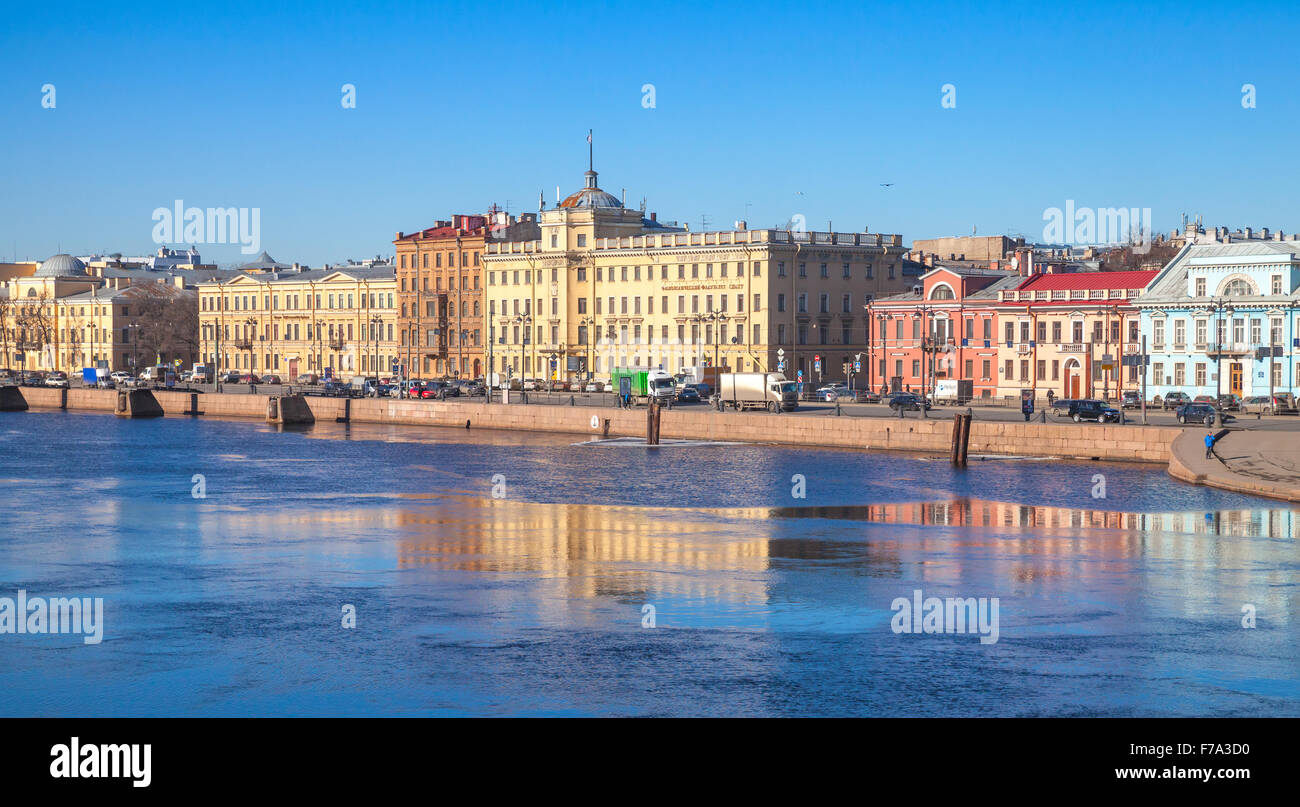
{"x":1209,"y":445}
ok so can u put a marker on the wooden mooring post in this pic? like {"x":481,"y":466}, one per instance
{"x":652,"y":423}
{"x":960,"y":439}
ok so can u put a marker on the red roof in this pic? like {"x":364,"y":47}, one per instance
{"x":1088,"y":280}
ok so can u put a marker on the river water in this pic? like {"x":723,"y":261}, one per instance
{"x":496,"y":573}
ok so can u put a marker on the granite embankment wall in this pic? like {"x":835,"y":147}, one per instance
{"x":1083,"y":441}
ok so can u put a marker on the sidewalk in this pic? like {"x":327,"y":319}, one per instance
{"x":1263,"y":463}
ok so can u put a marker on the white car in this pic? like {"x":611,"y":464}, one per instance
{"x":56,"y":380}
{"x":594,"y":386}
{"x":120,"y":377}
{"x":532,"y":385}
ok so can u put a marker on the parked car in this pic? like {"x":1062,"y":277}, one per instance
{"x":1088,"y":409}
{"x":230,"y":377}
{"x":33,"y":378}
{"x":1257,"y":403}
{"x":471,"y":388}
{"x":336,"y":389}
{"x":1199,"y":413}
{"x":688,"y":395}
{"x":1175,"y":399}
{"x":867,"y":396}
{"x":249,"y":378}
{"x":307,"y":379}
{"x":119,"y":376}
{"x":831,"y":392}
{"x":1229,"y":402}
{"x":532,"y":384}
{"x":1130,"y":399}
{"x":594,"y":386}
{"x":1206,"y":399}
{"x":908,"y":400}
{"x":1062,"y":406}
{"x":57,"y":379}
{"x":270,"y":379}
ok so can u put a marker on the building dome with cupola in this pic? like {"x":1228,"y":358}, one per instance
{"x":591,"y":195}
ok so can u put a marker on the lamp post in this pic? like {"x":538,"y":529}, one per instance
{"x":1220,"y":307}
{"x":587,"y":323}
{"x":880,"y":329}
{"x":525,"y":321}
{"x":376,"y":323}
{"x":133,"y":330}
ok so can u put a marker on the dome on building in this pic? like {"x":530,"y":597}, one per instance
{"x":591,"y":196}
{"x":61,"y":265}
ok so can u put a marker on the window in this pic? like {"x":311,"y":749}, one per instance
{"x":1200,"y":287}
{"x":1277,"y":284}
{"x":582,"y":240}
{"x":1237,"y":288}
{"x":942,"y":291}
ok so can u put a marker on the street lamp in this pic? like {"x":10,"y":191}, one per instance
{"x":1220,"y":332}
{"x":376,"y":323}
{"x":526,"y":321}
{"x":587,"y":323}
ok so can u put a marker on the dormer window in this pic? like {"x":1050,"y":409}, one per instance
{"x":1237,"y":288}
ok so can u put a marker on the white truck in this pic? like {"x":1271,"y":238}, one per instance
{"x":770,"y":391}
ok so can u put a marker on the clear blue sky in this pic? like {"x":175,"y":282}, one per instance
{"x":789,"y":108}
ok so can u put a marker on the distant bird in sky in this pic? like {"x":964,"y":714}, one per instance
{"x":886,"y":184}
{"x":798,"y":193}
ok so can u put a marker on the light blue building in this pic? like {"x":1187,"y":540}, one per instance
{"x":1221,"y":318}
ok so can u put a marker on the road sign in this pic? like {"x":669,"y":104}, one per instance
{"x":799,"y":375}
{"x":780,"y":366}
{"x":817,"y":364}
{"x":780,"y":352}
{"x":857,"y":366}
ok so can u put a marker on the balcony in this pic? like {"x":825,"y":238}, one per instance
{"x":243,"y":344}
{"x":1024,"y":347}
{"x":1229,"y":349}
{"x":335,"y":343}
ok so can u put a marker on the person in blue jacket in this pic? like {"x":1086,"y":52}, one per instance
{"x":1209,"y":445}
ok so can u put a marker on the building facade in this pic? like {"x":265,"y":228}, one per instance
{"x":1068,"y":333}
{"x":946,"y":327}
{"x":603,"y":287}
{"x":326,"y":322}
{"x":1222,"y":318}
{"x":63,"y":318}
{"x":441,"y":306}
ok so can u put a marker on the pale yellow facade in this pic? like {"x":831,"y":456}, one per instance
{"x":292,"y":324}
{"x":604,"y":288}
{"x":67,"y":324}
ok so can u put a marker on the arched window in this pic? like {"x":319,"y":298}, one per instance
{"x":942,"y":291}
{"x":1238,"y":288}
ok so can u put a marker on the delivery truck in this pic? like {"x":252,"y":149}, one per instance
{"x":953,"y":391}
{"x":644,"y":384}
{"x":770,"y":391}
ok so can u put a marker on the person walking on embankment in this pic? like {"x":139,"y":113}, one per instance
{"x":1209,"y":445}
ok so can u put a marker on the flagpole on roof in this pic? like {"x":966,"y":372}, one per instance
{"x":591,"y":164}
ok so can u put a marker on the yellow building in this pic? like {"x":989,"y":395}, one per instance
{"x":62,"y":318}
{"x":301,"y":322}
{"x":605,"y":287}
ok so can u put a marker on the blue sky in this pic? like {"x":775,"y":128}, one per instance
{"x":763,"y":111}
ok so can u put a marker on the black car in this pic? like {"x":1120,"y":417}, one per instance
{"x":1200,"y":413}
{"x":688,"y":395}
{"x":908,"y":400}
{"x":1093,"y":410}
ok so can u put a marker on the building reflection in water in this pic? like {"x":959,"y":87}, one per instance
{"x":747,"y":557}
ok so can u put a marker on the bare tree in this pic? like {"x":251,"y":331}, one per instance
{"x":168,"y":320}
